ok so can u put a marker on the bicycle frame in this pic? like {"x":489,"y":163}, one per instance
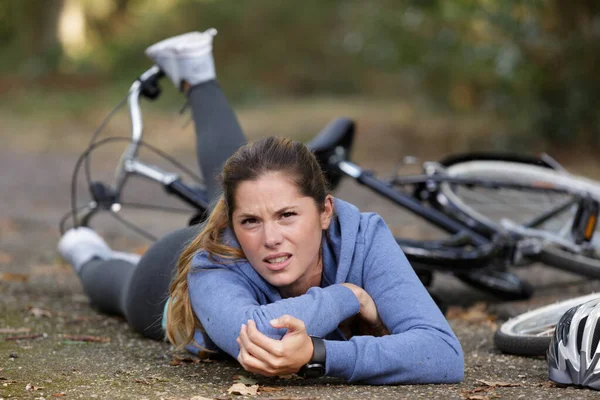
{"x":466,"y":249}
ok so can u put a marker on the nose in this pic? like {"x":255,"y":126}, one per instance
{"x":273,"y":235}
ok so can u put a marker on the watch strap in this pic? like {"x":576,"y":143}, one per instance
{"x":315,"y":368}
{"x":319,"y":352}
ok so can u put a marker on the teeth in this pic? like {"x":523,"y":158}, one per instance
{"x":278,"y":260}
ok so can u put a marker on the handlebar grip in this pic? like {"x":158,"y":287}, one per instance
{"x":149,"y":83}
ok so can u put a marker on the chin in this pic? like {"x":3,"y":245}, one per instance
{"x":281,"y":280}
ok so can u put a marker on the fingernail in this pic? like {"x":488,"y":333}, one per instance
{"x":274,"y":321}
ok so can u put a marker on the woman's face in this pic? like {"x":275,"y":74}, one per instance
{"x":280,"y":231}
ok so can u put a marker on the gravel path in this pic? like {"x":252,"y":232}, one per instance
{"x":123,"y":365}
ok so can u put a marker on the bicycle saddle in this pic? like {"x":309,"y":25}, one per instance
{"x":339,"y":132}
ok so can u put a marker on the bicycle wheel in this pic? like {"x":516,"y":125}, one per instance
{"x":489,"y":209}
{"x":529,"y":334}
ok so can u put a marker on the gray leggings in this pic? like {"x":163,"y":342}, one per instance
{"x":139,"y":292}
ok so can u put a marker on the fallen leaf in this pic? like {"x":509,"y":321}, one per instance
{"x":61,"y":394}
{"x":475,"y":314}
{"x":240,"y":388}
{"x":547,"y":384}
{"x":498,"y":383}
{"x":40,"y":312}
{"x":8,"y":226}
{"x":15,"y":330}
{"x":269,"y":389}
{"x":5,"y":258}
{"x":11,"y":277}
{"x":140,"y":250}
{"x":187,"y":359}
{"x":25,"y":337}
{"x":86,"y":338}
{"x":30,"y":388}
{"x":49,"y":269}
{"x":244,"y":380}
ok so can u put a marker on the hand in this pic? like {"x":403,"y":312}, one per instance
{"x":372,"y":324}
{"x":263,"y":355}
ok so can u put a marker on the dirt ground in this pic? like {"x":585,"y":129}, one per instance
{"x":74,"y":352}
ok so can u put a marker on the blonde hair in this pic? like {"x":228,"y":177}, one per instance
{"x":249,"y":163}
{"x":181,"y":320}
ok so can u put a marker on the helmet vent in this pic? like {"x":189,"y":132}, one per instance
{"x":580,"y":329}
{"x":595,"y":338}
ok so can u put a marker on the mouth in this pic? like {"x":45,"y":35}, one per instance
{"x":277,"y":262}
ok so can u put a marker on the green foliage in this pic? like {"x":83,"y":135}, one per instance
{"x":531,"y":62}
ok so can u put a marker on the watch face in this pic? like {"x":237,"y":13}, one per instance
{"x":314,"y":371}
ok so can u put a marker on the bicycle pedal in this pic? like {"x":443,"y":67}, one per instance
{"x":102,"y":195}
{"x":586,"y":218}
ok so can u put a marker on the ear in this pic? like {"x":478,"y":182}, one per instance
{"x":327,"y":213}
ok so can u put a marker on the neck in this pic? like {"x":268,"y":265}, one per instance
{"x":311,"y":278}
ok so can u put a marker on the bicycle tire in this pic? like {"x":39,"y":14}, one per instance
{"x":515,"y":172}
{"x":529,"y":334}
{"x":459,"y":158}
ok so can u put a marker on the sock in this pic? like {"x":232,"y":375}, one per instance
{"x":78,"y":246}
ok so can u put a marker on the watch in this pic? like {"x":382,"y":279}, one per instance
{"x":315,"y":368}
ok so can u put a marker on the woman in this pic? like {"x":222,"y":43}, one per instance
{"x":280,"y":259}
{"x":282,"y":276}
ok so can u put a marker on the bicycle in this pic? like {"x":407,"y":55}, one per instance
{"x":474,"y":242}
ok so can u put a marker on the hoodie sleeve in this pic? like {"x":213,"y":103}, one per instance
{"x":224,"y":300}
{"x":421,"y":347}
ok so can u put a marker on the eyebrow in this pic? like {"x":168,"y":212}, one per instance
{"x":280,"y":211}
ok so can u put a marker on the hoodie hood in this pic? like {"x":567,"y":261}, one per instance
{"x":338,"y":247}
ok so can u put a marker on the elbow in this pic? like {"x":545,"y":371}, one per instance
{"x":262,"y":320}
{"x":454,"y":368}
{"x":455,"y":372}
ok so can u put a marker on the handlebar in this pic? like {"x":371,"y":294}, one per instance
{"x":146,"y":84}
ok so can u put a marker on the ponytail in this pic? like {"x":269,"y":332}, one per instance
{"x":181,"y":320}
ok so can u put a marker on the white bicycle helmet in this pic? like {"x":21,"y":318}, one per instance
{"x":574,"y":353}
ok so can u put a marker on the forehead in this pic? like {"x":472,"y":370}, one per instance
{"x":269,"y":193}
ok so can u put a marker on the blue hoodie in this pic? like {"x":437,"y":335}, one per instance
{"x":360,"y":249}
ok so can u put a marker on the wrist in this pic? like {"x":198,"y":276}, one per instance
{"x":315,"y":367}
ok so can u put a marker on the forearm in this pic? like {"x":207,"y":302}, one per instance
{"x":416,"y":356}
{"x":321,"y":309}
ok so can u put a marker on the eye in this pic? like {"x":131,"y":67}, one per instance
{"x":288,"y":214}
{"x":249,"y":221}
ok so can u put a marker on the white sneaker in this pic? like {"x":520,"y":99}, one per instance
{"x":80,"y":245}
{"x":186,"y":57}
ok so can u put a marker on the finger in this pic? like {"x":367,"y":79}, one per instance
{"x":255,"y":350}
{"x":287,"y":321}
{"x":254,"y":365}
{"x":272,"y":346}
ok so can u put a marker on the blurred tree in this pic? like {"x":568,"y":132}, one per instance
{"x":531,"y":62}
{"x":36,"y":32}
